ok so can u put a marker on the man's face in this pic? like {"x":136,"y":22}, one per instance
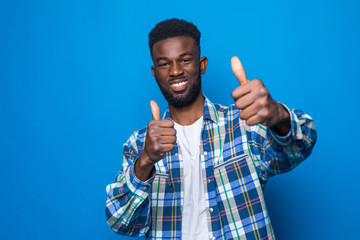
{"x":177,"y":69}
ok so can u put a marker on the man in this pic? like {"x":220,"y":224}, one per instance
{"x":199,"y":172}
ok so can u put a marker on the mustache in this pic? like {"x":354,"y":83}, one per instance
{"x":177,"y":78}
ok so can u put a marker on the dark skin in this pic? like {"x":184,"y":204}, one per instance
{"x":177,"y":65}
{"x":256,"y":103}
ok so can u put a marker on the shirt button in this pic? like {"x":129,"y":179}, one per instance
{"x":176,"y":154}
{"x":211,"y":210}
{"x":208,"y":180}
{"x":205,"y":153}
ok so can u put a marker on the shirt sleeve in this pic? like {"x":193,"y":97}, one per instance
{"x":274,"y":154}
{"x":128,"y":202}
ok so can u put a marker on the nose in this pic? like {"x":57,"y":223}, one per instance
{"x":176,"y":70}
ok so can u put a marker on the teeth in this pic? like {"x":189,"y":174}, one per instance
{"x":178,"y":84}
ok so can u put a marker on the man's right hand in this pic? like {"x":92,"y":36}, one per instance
{"x":160,"y":138}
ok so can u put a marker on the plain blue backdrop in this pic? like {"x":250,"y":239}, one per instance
{"x":75,"y":82}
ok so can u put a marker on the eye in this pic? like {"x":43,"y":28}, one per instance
{"x":186,"y":60}
{"x":163,"y":64}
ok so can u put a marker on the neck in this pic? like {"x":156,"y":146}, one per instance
{"x":187,"y":115}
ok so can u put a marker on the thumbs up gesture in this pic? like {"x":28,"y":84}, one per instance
{"x":255,"y":102}
{"x":160,"y":138}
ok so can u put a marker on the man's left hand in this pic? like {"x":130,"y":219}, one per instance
{"x":256,"y":103}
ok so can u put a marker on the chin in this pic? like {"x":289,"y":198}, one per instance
{"x":184,"y":98}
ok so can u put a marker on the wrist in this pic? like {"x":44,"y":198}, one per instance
{"x":285,"y":116}
{"x":143,"y":167}
{"x":282,"y":127}
{"x":144,"y":161}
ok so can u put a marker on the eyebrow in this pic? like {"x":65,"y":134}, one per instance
{"x":185,"y":54}
{"x":161,"y":58}
{"x":181,"y":55}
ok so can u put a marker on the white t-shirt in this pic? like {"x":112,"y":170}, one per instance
{"x":194,"y":220}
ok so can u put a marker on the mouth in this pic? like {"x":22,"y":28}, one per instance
{"x":179,"y":85}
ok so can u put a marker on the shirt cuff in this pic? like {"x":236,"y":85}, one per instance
{"x":295,"y":132}
{"x":138,"y":187}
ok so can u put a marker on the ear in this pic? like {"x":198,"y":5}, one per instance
{"x":153,"y":72}
{"x":203,"y":64}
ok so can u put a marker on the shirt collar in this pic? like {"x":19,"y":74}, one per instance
{"x":210,"y":112}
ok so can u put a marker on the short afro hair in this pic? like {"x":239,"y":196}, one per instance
{"x":173,"y":28}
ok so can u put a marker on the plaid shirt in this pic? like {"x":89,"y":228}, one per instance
{"x":237,"y":160}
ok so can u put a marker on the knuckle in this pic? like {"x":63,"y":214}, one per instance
{"x":263,"y":91}
{"x":152,"y":126}
{"x":151,"y":131}
{"x":263,"y":102}
{"x":263,"y":114}
{"x":153,"y":139}
{"x":156,"y":147}
{"x":258,"y":81}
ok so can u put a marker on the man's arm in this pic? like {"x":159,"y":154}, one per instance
{"x":160,"y":139}
{"x":256,"y":103}
{"x":274,"y":154}
{"x":279,"y":138}
{"x":128,"y":202}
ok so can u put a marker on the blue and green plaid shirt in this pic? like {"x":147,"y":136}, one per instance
{"x":237,"y":160}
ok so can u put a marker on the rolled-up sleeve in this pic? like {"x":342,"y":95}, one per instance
{"x":279,"y":154}
{"x":128,"y":202}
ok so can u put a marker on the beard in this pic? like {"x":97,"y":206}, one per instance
{"x":184,"y":100}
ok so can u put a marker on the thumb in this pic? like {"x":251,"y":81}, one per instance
{"x":155,"y":110}
{"x":238,"y":70}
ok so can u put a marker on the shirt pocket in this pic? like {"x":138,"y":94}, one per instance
{"x":162,"y":175}
{"x":162,"y":196}
{"x":161,"y":180}
{"x":161,"y":186}
{"x":239,"y":191}
{"x":230,"y":161}
{"x":235,"y":177}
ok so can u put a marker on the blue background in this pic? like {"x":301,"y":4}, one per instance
{"x":75,"y":82}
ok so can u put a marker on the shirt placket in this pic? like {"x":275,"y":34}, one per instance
{"x":207,"y":155}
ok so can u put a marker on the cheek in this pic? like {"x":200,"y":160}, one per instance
{"x":194,"y":72}
{"x":161,"y":76}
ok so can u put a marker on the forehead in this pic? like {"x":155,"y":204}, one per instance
{"x":173,"y":47}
